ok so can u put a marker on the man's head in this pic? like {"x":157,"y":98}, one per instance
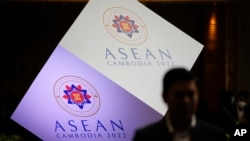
{"x":242,"y":99}
{"x":180,"y":92}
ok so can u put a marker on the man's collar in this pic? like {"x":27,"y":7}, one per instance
{"x":170,"y":127}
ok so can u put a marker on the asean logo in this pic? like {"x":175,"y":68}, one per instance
{"x":125,"y":26}
{"x":76,"y":96}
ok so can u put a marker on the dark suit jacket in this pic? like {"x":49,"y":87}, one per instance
{"x":158,"y":131}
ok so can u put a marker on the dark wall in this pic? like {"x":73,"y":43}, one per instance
{"x":243,"y":45}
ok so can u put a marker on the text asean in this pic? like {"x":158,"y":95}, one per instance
{"x":135,"y":54}
{"x":84,"y":125}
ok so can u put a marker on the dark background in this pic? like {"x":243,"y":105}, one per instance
{"x":30,"y":32}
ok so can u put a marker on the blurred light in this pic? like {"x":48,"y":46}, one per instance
{"x":212,"y":31}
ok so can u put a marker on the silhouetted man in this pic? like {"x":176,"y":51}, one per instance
{"x":181,"y":95}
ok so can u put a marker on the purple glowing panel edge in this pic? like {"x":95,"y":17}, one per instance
{"x":69,"y":100}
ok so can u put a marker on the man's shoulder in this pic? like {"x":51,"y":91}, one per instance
{"x":210,"y":130}
{"x":157,"y":125}
{"x":152,"y":131}
{"x":204,"y":125}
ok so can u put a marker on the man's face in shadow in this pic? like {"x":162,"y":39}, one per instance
{"x":182,"y":99}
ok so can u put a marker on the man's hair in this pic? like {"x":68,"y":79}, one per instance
{"x":244,"y":93}
{"x":175,"y":75}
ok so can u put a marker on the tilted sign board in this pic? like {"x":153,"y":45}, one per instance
{"x":103,"y":80}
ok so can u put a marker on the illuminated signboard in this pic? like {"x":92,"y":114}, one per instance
{"x":103,"y":80}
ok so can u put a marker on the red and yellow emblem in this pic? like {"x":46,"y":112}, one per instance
{"x":76,"y":96}
{"x":125,"y":26}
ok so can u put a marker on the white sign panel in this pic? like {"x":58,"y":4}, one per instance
{"x":131,"y":45}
